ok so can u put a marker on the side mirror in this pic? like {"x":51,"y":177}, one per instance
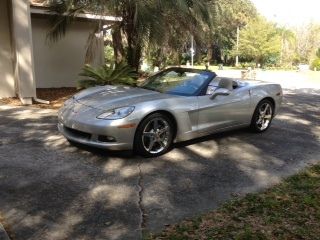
{"x":220,"y":92}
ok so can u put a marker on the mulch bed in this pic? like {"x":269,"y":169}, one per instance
{"x":56,"y":97}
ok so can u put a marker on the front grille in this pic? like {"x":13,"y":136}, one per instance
{"x":78,"y":133}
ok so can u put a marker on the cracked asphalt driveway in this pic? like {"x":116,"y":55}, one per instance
{"x":50,"y":189}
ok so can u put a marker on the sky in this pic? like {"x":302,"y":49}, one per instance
{"x":290,"y":12}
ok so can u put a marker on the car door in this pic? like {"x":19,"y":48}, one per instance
{"x":223,"y":111}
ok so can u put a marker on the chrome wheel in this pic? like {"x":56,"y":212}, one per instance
{"x":156,"y":135}
{"x":265,"y":116}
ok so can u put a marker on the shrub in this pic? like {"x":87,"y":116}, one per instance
{"x":316,"y":64}
{"x":121,"y":74}
{"x":318,"y":53}
{"x":248,"y":64}
{"x":108,"y":54}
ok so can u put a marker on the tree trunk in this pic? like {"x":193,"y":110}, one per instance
{"x":134,"y":47}
{"x":117,"y":45}
{"x":134,"y":55}
{"x":209,"y":52}
{"x":134,"y":52}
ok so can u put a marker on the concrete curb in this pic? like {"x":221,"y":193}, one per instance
{"x":3,"y":233}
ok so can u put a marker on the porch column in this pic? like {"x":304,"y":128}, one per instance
{"x":22,"y":37}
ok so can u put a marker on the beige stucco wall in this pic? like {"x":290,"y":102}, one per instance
{"x":6,"y":62}
{"x":58,"y":64}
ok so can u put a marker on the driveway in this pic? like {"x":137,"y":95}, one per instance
{"x":52,"y":190}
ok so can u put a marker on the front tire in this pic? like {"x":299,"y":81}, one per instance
{"x":154,"y":135}
{"x":262,"y":117}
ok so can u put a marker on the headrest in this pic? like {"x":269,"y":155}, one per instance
{"x":226,"y":83}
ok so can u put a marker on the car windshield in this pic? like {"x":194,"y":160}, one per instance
{"x":182,"y":82}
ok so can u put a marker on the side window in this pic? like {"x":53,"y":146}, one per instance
{"x":164,"y":78}
{"x":171,"y":74}
{"x":213,"y":85}
{"x":210,"y":90}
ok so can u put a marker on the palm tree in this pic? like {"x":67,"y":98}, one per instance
{"x":288,"y":42}
{"x":143,"y":22}
{"x":228,"y":16}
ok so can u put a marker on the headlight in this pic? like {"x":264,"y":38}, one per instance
{"x":117,"y":113}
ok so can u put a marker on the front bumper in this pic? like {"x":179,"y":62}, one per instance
{"x":93,"y":141}
{"x":83,"y":127}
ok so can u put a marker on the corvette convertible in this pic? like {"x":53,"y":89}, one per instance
{"x":174,"y":105}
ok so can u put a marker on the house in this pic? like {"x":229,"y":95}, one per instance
{"x":28,"y":61}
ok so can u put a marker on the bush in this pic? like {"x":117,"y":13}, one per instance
{"x":315,"y":64}
{"x":318,"y":53}
{"x":248,"y":64}
{"x":108,"y":54}
{"x":107,"y":75}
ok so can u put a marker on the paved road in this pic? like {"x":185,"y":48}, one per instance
{"x":52,"y":190}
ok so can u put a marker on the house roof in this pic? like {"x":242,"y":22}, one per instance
{"x":41,"y":7}
{"x":39,"y":2}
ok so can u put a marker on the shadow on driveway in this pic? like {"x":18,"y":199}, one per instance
{"x":53,"y":190}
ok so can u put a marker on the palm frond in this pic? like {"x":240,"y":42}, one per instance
{"x":107,"y":75}
{"x":62,"y":14}
{"x":86,"y":83}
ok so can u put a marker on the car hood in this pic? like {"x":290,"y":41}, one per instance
{"x":110,"y":97}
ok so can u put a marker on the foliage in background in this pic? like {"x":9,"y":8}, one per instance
{"x":308,"y":41}
{"x":143,"y":22}
{"x":260,"y":42}
{"x":318,"y":53}
{"x":159,"y":32}
{"x":213,"y":40}
{"x":229,"y":15}
{"x":121,"y":73}
{"x":288,"y":56}
{"x":108,"y":54}
{"x":315,"y":65}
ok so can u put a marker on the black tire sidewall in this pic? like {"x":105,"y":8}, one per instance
{"x":138,"y":145}
{"x":255,"y":116}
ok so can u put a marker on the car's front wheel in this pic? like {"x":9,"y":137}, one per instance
{"x":262,"y":116}
{"x":154,"y":135}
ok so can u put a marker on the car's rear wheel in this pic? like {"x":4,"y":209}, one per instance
{"x":262,"y":116}
{"x":154,"y":135}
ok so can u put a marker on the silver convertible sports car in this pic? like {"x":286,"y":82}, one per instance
{"x":174,"y":105}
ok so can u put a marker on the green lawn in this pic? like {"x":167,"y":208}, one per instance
{"x":290,"y":210}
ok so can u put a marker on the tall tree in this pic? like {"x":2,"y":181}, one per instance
{"x":143,"y":21}
{"x":308,"y":41}
{"x":260,"y":41}
{"x":288,"y":43}
{"x":226,"y":18}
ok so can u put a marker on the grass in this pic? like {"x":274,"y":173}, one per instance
{"x":290,"y":210}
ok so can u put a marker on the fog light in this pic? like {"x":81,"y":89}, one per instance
{"x":103,"y":138}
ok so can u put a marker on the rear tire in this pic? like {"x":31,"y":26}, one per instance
{"x":154,"y":135}
{"x":262,"y":117}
